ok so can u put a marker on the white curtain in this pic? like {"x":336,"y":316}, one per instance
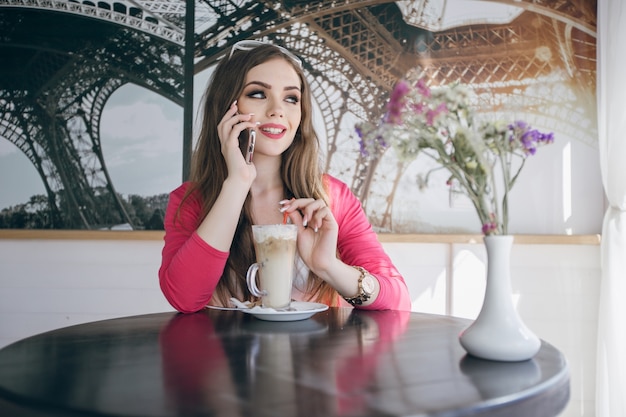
{"x":611,"y":93}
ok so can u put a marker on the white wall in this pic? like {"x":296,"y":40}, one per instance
{"x":47,"y":284}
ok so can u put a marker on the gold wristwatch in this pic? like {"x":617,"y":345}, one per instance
{"x":366,"y":288}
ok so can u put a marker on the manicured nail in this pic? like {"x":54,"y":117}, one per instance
{"x":315,"y":229}
{"x":305,"y":222}
{"x":283,"y":202}
{"x":283,"y":209}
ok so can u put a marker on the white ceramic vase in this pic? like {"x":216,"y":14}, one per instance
{"x":498,"y":332}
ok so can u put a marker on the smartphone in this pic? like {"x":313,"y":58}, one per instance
{"x":247,"y":140}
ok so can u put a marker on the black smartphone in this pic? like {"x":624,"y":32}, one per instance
{"x":247,"y":139}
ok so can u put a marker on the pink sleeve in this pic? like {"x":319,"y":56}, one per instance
{"x":358,"y":245}
{"x":190,"y":267}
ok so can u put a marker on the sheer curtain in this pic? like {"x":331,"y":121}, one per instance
{"x":611,"y":93}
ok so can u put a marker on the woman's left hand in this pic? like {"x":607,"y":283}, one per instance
{"x":317,"y":232}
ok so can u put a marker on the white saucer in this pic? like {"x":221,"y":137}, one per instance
{"x":300,"y":310}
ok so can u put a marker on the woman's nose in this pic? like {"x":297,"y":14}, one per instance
{"x":276,"y":109}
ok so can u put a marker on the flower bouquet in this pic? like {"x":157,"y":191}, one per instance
{"x":439,"y":122}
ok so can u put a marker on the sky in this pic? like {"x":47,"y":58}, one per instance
{"x":141,"y":135}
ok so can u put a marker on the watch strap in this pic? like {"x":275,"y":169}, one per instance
{"x":361,"y":296}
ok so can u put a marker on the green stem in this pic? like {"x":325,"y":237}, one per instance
{"x":505,"y":166}
{"x":477,"y":201}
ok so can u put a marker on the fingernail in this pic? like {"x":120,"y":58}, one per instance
{"x":305,"y":222}
{"x":234,"y":103}
{"x":283,"y":209}
{"x":281,"y":202}
{"x":315,"y":229}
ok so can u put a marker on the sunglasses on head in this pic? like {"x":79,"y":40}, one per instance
{"x":249,"y":45}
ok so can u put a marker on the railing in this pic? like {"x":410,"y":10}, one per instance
{"x":128,"y":16}
{"x":6,"y":234}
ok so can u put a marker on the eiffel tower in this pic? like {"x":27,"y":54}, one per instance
{"x":62,"y":60}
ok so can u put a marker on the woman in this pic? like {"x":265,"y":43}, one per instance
{"x":208,"y":238}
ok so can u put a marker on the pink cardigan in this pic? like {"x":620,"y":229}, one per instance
{"x":191,"y":268}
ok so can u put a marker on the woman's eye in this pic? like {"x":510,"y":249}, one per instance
{"x":293,"y":99}
{"x":256,"y":94}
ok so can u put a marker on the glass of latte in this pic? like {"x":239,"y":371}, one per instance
{"x":275,"y":247}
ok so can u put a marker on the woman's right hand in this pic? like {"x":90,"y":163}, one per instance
{"x":228,"y":130}
{"x":220,"y":224}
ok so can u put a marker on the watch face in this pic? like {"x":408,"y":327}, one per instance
{"x":368,"y":284}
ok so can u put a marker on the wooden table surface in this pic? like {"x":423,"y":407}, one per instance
{"x":341,"y":362}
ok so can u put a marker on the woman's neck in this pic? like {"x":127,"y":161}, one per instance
{"x":266,"y":191}
{"x":268,"y":176}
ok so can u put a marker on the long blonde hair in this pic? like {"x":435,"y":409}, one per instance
{"x":300,"y":168}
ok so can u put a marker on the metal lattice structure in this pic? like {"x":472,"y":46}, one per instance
{"x":53,"y":91}
{"x":61,"y":61}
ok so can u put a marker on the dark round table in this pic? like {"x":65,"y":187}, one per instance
{"x":340,"y":362}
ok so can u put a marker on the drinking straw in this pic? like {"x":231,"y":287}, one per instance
{"x":285,"y":217}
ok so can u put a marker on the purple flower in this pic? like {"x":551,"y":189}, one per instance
{"x":397,"y":102}
{"x":422,"y":88}
{"x":546,"y":137}
{"x":529,"y":141}
{"x":419,"y":107}
{"x":363,"y":149}
{"x":432,"y":114}
{"x":489,"y":228}
{"x":362,"y":145}
{"x":529,"y":138}
{"x":368,"y":142}
{"x":519,"y":125}
{"x":381,"y":141}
